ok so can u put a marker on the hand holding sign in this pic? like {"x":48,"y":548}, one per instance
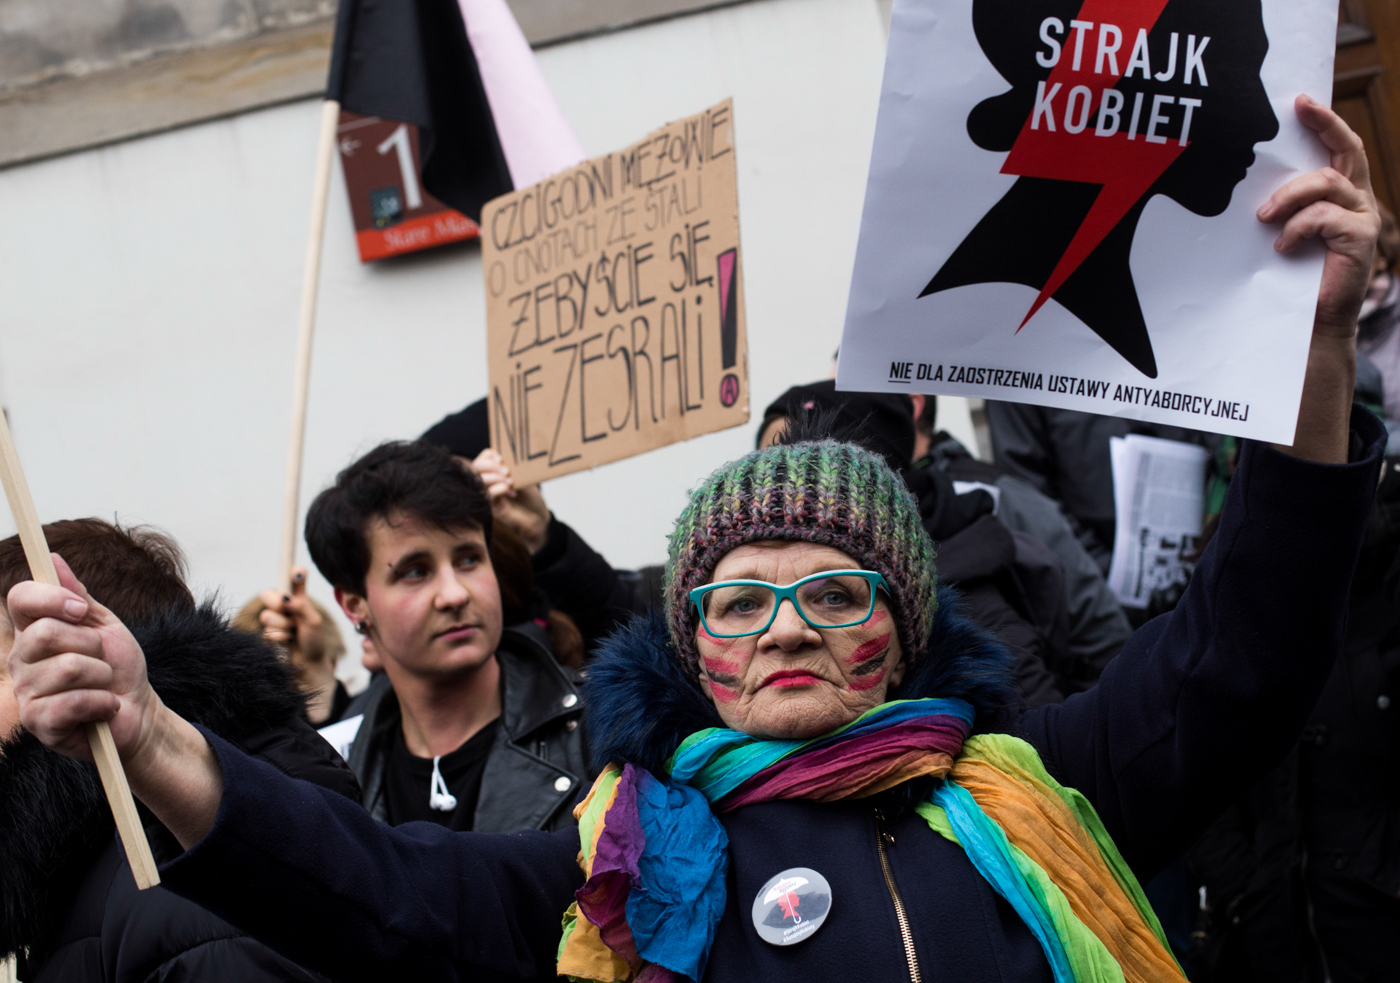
{"x":1335,"y":204}
{"x":292,"y":621}
{"x":44,"y":567}
{"x":75,"y":665}
{"x":75,"y":662}
{"x":522,"y":509}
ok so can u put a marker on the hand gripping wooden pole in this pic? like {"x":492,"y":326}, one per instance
{"x":311,"y":277}
{"x":104,"y":749}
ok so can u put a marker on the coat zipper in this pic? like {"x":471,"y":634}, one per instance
{"x":883,"y":837}
{"x":1312,"y":921}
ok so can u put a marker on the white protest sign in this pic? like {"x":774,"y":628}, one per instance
{"x":1061,"y":208}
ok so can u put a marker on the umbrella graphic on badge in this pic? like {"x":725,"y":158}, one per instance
{"x":791,"y":906}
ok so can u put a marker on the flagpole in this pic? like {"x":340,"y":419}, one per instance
{"x":104,"y":749}
{"x":311,"y":277}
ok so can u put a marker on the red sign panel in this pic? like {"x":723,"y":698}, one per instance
{"x":392,"y":211}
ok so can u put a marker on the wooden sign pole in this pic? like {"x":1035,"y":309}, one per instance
{"x":311,"y":277}
{"x":104,"y":749}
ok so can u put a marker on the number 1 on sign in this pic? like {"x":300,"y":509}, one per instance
{"x":398,"y":140}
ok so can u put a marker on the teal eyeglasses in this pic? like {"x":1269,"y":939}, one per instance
{"x":830,"y":599}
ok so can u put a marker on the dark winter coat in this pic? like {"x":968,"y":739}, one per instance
{"x":1302,"y":874}
{"x":66,"y":891}
{"x":1097,"y":625}
{"x":1201,"y":702}
{"x":538,"y":761}
{"x":577,"y":580}
{"x":1013,"y":584}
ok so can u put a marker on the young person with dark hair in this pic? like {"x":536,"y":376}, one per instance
{"x":68,"y":903}
{"x":525,"y":557}
{"x":473,"y":725}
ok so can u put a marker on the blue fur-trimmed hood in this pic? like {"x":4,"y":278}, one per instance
{"x":641,"y":703}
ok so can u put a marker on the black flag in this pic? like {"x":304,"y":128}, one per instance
{"x":409,"y":60}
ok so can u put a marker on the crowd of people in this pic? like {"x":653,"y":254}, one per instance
{"x":563,"y":768}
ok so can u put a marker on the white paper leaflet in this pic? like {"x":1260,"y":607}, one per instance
{"x":1159,"y":495}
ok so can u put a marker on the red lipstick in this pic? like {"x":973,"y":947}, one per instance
{"x":792,"y":677}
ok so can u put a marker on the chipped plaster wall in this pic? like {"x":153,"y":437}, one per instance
{"x":76,"y":74}
{"x":41,"y":40}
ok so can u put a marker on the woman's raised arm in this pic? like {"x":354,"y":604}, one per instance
{"x":1203,"y":701}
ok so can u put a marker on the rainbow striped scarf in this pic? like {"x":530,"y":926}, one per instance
{"x":1039,"y":845}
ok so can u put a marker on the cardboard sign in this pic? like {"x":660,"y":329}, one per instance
{"x":1061,"y":208}
{"x":615,"y":303}
{"x":392,"y":211}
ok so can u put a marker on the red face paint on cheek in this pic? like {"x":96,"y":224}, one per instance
{"x":861,"y":683}
{"x":723,"y":693}
{"x":868,"y":650}
{"x":724,"y":678}
{"x":877,"y":618}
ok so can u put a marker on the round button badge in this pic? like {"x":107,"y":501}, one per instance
{"x":791,"y":906}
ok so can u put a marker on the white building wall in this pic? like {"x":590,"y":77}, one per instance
{"x":149,"y":290}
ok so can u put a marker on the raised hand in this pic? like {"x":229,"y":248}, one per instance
{"x":292,"y":621}
{"x":523,"y":509}
{"x":74,"y":663}
{"x":1334,"y":204}
{"x":1337,"y":205}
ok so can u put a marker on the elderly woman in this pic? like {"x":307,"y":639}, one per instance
{"x":818,"y":771}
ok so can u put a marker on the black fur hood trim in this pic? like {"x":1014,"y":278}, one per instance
{"x":230,"y":681}
{"x":642,"y":704}
{"x":53,"y":814}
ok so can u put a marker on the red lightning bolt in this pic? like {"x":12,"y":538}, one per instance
{"x":1125,"y":164}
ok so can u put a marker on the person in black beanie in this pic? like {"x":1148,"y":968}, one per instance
{"x":885,"y":421}
{"x":1098,"y":627}
{"x":465,"y":433}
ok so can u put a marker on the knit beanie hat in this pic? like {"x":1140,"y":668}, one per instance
{"x":825,"y":491}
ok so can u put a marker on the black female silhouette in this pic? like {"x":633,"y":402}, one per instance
{"x":1023,"y":236}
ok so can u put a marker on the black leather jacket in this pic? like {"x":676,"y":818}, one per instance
{"x":538,"y":763}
